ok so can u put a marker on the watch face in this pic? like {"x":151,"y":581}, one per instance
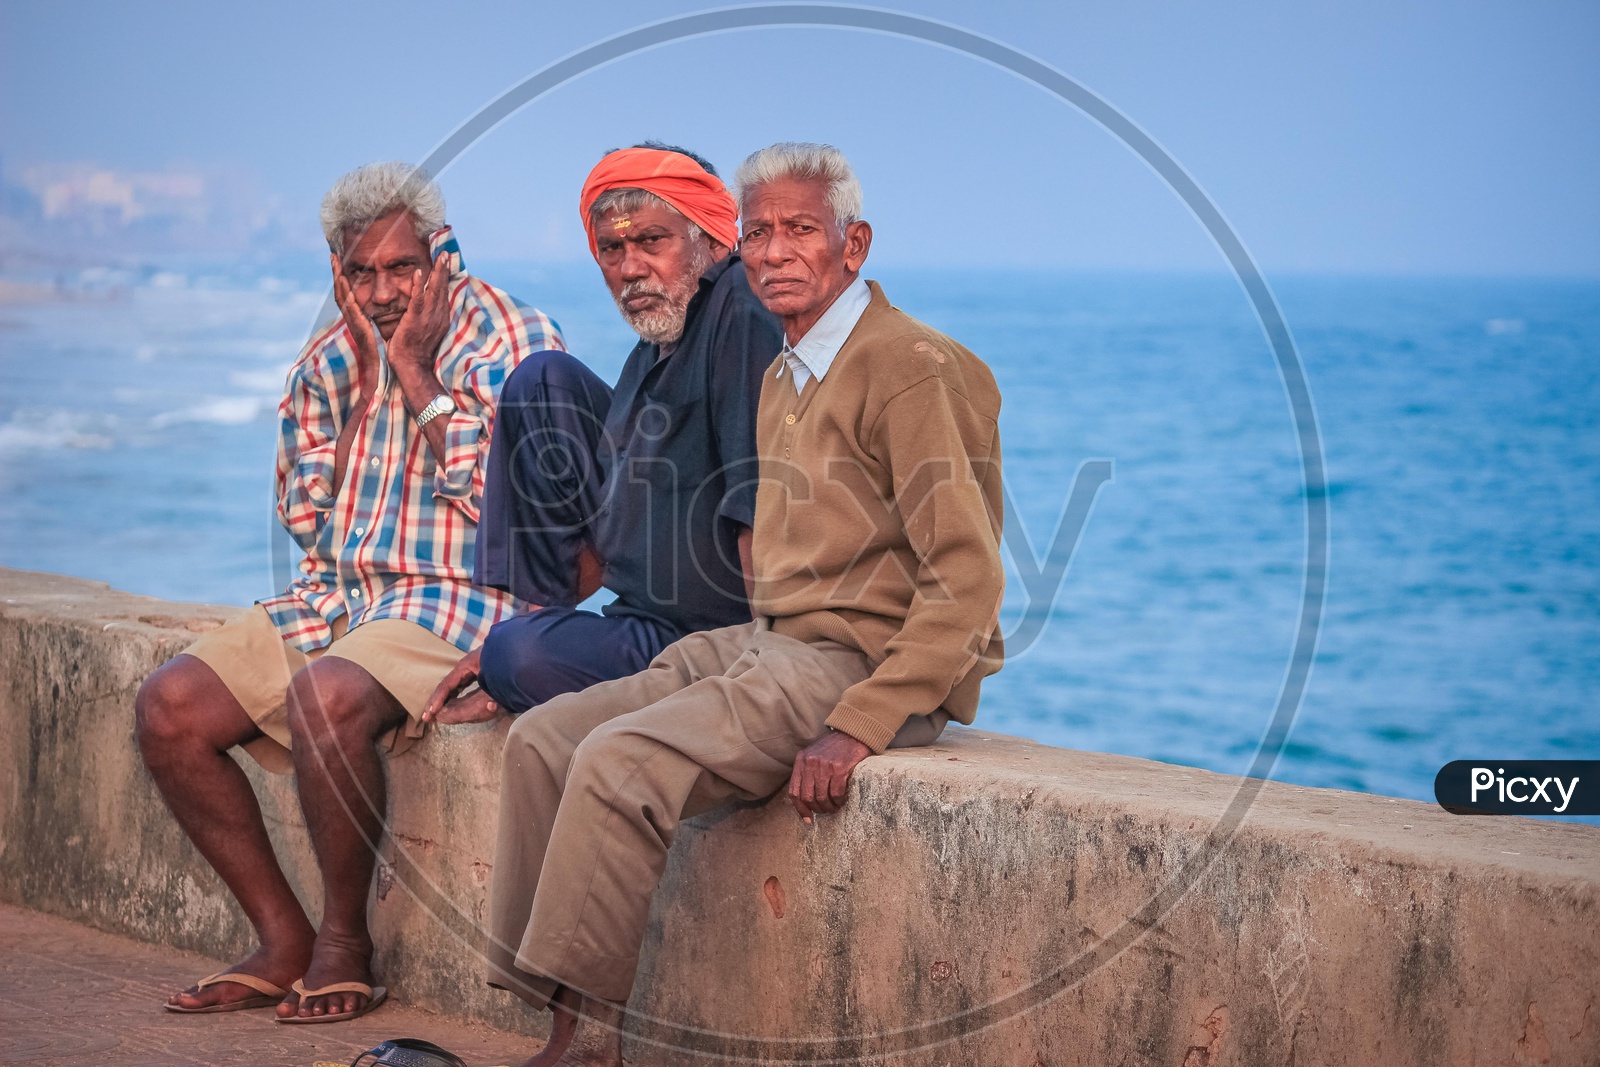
{"x":443,"y":404}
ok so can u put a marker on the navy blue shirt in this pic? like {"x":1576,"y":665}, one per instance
{"x":679,"y":461}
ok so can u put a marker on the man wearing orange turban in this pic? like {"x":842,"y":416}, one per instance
{"x":647,"y":489}
{"x":674,"y":177}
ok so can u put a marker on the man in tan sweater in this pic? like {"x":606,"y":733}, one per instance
{"x":876,"y":590}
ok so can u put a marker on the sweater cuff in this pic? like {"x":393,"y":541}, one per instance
{"x":870,"y":730}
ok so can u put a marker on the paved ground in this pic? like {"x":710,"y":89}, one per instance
{"x":73,"y":996}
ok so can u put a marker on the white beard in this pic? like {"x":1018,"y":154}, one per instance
{"x":664,"y":325}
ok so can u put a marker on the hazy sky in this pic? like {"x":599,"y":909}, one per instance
{"x":1365,"y":135}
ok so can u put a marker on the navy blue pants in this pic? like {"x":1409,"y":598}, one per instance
{"x":542,"y":483}
{"x":531,"y":658}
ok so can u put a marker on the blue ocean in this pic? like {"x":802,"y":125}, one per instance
{"x":1458,"y":419}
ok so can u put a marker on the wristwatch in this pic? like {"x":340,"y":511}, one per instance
{"x":439,"y":405}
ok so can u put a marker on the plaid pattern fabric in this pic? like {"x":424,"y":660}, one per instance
{"x":397,"y":542}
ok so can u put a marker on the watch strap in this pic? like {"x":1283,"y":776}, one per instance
{"x":439,"y":405}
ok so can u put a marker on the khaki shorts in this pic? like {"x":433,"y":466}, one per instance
{"x":256,"y":665}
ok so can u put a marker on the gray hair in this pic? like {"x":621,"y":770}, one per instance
{"x":627,"y":201}
{"x":804,"y":161}
{"x":368,"y":193}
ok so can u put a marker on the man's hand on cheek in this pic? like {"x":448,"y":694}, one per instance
{"x":362,"y":335}
{"x":821,"y":778}
{"x":422,"y":328}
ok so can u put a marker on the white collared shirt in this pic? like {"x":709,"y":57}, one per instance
{"x":820,"y":346}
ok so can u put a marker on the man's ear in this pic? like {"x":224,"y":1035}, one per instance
{"x":857,"y":243}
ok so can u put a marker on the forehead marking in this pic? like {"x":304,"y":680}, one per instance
{"x":622,"y":223}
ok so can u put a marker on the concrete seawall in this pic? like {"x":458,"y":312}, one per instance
{"x":985,"y":901}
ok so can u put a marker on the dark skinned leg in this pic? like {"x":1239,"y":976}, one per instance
{"x":584,"y":1033}
{"x":563,"y":1024}
{"x":336,"y":713}
{"x":187,"y":720}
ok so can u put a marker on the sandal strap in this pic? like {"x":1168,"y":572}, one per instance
{"x":337,"y":987}
{"x":250,"y":981}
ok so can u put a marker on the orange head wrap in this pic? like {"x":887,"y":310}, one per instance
{"x":675,"y":178}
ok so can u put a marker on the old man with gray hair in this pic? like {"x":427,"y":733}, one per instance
{"x":877,"y":586}
{"x":384,"y":429}
{"x":648,"y":489}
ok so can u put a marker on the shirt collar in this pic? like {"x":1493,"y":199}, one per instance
{"x":821,"y":344}
{"x":718,"y":269}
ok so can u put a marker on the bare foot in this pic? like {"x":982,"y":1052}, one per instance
{"x":476,"y":706}
{"x":590,"y":1038}
{"x":280,"y":962}
{"x":333,"y":959}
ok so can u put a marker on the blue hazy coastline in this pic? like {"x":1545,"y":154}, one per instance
{"x":1458,"y":418}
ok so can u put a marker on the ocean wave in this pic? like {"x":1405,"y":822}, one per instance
{"x":37,"y":431}
{"x":266,"y":381}
{"x":220,"y":411}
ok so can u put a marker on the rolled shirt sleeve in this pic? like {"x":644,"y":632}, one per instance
{"x":474,"y":371}
{"x":459,"y":478}
{"x":308,"y":430}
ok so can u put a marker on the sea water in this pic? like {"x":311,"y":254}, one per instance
{"x":1457,"y":417}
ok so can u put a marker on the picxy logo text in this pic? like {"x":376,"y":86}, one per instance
{"x":1519,"y":787}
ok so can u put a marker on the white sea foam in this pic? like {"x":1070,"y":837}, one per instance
{"x":38,"y":431}
{"x":263,"y":381}
{"x":220,"y":410}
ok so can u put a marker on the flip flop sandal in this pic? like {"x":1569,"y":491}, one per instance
{"x":408,"y":1052}
{"x":271,"y":995}
{"x":375,"y":995}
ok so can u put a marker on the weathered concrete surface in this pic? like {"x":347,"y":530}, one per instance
{"x":71,"y":996}
{"x":967,"y":908}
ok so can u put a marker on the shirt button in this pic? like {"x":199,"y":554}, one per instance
{"x":356,"y":593}
{"x":374,"y":461}
{"x":360,"y":530}
{"x":789,"y":418}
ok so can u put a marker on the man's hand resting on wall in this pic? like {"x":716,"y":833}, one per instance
{"x":821,"y":777}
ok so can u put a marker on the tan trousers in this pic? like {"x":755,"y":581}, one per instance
{"x":595,"y":783}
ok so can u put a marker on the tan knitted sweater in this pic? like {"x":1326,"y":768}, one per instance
{"x":878,"y":518}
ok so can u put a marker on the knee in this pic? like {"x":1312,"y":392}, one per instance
{"x":527,"y":735}
{"x":604,"y":757}
{"x":330,"y":702}
{"x":521,"y":666}
{"x":165,"y":708}
{"x":496,"y":662}
{"x":548,"y":738}
{"x":532,"y":379}
{"x":504,"y":663}
{"x":533,"y":746}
